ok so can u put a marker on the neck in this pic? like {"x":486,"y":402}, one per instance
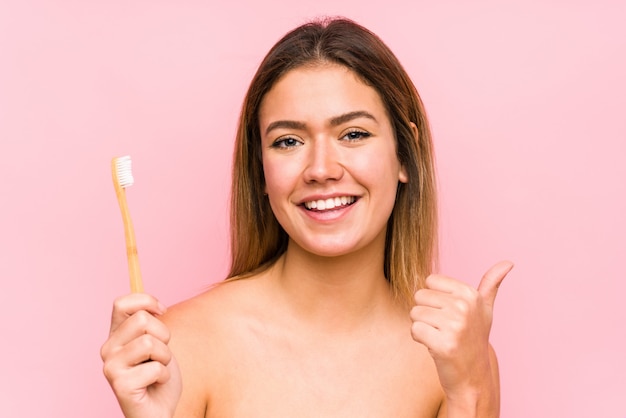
{"x":340,"y":292}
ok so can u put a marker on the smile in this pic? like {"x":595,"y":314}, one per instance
{"x":332,"y":203}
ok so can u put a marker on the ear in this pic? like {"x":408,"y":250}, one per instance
{"x":415,"y":131}
{"x":403,"y":177}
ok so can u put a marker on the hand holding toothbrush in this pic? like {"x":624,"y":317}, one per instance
{"x":137,"y":360}
{"x":138,"y":363}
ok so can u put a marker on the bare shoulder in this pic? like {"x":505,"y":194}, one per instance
{"x":202,"y":330}
{"x":211,"y":310}
{"x":203,"y":323}
{"x":234,"y":341}
{"x":223,"y":297}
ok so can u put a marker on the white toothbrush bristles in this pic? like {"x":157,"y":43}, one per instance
{"x":123,"y":167}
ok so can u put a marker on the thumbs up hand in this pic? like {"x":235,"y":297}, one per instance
{"x":453,"y":321}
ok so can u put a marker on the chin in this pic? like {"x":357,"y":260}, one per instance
{"x":334,"y":248}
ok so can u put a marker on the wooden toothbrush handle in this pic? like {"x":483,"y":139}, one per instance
{"x":136,"y":284}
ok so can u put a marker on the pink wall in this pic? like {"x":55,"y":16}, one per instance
{"x":527,"y":105}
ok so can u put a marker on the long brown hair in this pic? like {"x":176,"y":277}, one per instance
{"x":257,"y":239}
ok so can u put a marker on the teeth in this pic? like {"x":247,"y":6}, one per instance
{"x":329,"y":203}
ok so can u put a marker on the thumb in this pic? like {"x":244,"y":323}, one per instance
{"x":489,"y":284}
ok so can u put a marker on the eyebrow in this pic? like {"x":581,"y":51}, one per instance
{"x":336,"y":121}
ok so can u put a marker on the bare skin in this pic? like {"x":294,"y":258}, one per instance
{"x":254,"y":352}
{"x":319,"y":333}
{"x":244,"y":348}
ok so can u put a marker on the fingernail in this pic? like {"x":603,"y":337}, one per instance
{"x":161,"y":308}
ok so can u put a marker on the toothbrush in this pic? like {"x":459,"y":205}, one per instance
{"x":122,"y":178}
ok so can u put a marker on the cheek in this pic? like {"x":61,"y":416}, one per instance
{"x":278,"y":176}
{"x":272,"y":186}
{"x":378,"y":167}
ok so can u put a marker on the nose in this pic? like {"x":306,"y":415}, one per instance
{"x":323,"y":162}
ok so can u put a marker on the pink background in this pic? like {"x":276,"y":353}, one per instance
{"x":527,"y":102}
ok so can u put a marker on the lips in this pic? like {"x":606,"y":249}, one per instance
{"x":330,"y":203}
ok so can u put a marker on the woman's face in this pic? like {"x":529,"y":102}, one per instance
{"x":329,"y":159}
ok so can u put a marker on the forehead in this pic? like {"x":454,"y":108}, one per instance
{"x":319,"y":93}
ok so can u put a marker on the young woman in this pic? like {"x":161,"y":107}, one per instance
{"x":330,"y":308}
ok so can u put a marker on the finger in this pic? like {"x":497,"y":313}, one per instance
{"x":433,"y":298}
{"x":146,"y":348}
{"x":491,"y":281}
{"x":140,"y":323}
{"x":127,"y":305}
{"x":448,"y":285}
{"x":430,"y":316}
{"x":139,"y":351}
{"x":140,"y":377}
{"x":425,"y":334}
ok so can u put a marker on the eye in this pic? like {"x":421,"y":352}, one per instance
{"x":288,"y":142}
{"x":356,"y":135}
